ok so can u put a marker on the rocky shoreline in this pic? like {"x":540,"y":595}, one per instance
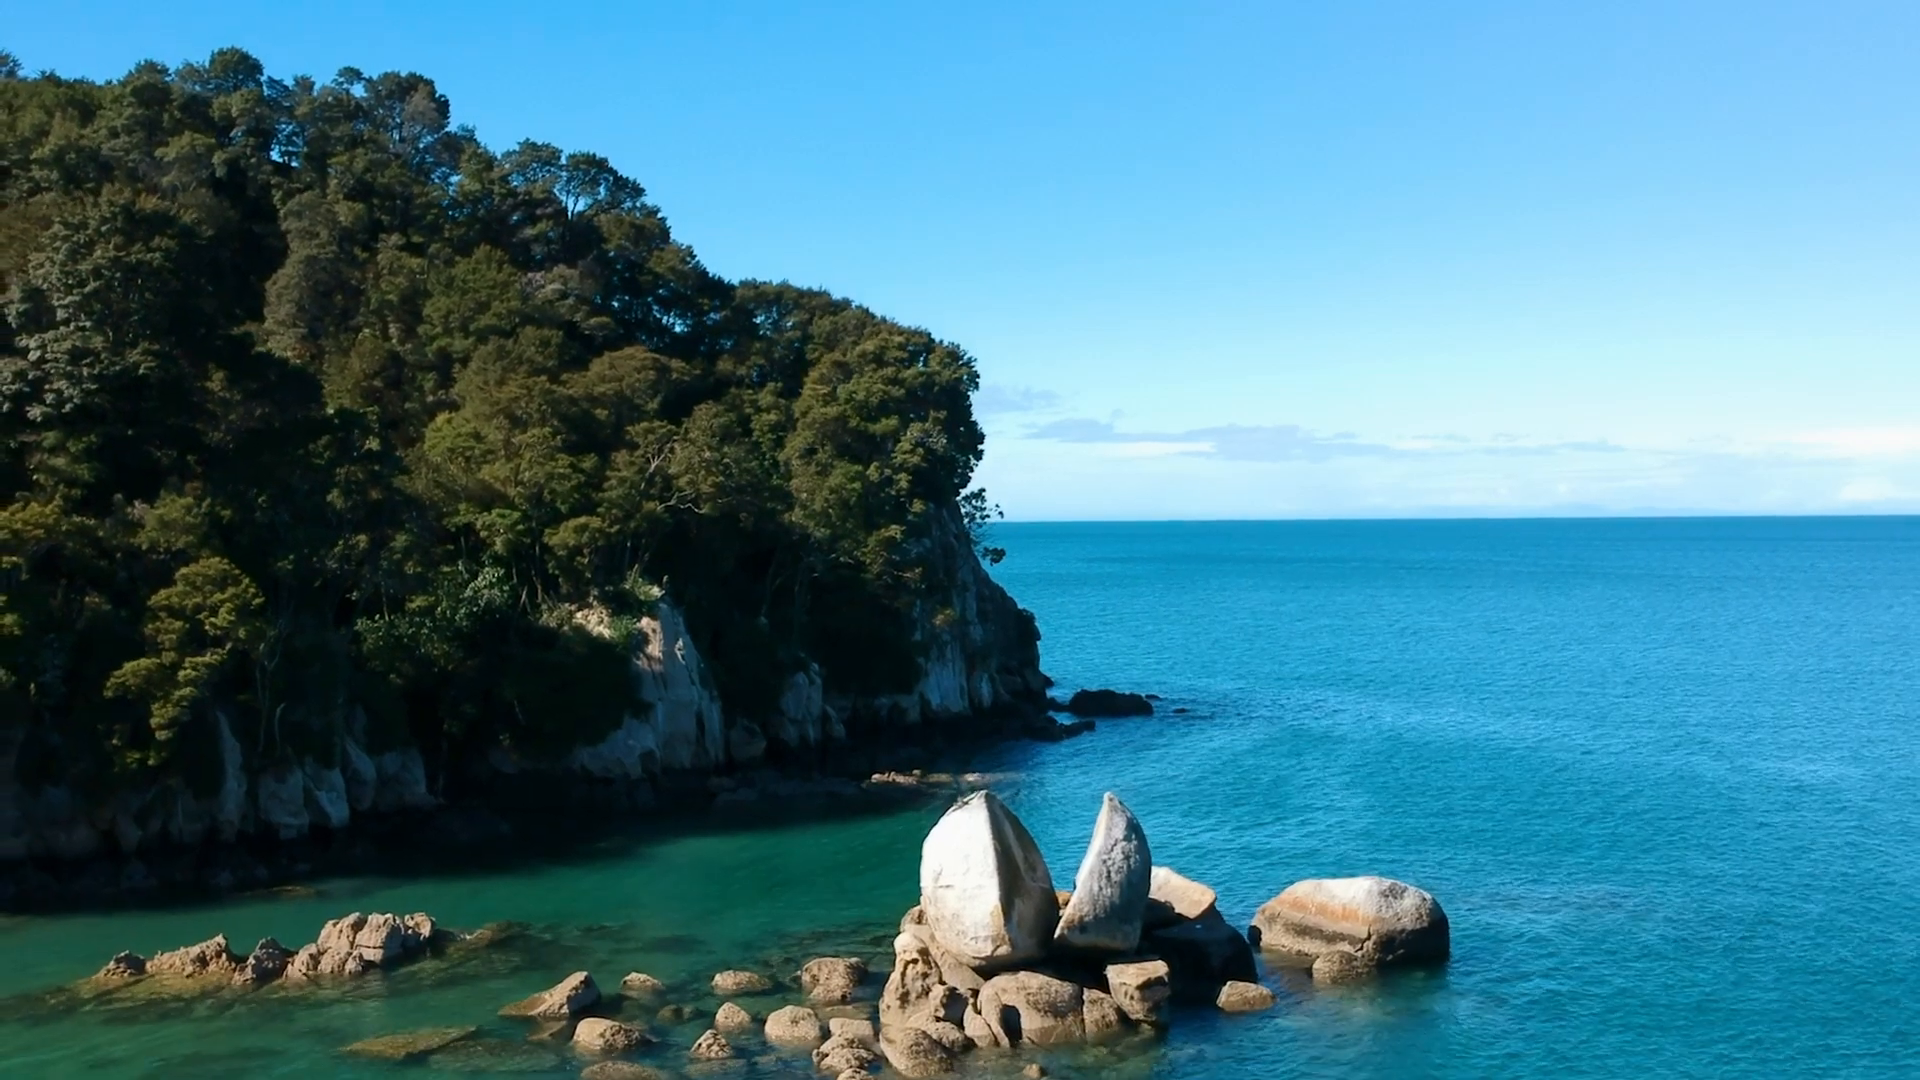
{"x":994,"y":967}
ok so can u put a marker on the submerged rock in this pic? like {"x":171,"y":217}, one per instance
{"x":1381,"y":921}
{"x":410,"y":1044}
{"x":729,"y":983}
{"x":124,"y":965}
{"x":984,"y":888}
{"x":595,"y":1035}
{"x":641,"y":985}
{"x":1340,"y":966}
{"x":621,"y":1070}
{"x":842,"y":1053}
{"x":567,"y":998}
{"x":795,"y":1025}
{"x":832,"y":980}
{"x":858,"y":1029}
{"x":1237,"y":997}
{"x":1108,"y":703}
{"x":711,"y":1047}
{"x":1109,"y":900}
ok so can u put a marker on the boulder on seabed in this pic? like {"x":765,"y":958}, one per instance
{"x":1028,"y":1007}
{"x":1380,"y":921}
{"x":710,"y":1047}
{"x":832,"y":980}
{"x":596,"y":1035}
{"x":641,"y":985}
{"x":409,"y":1045}
{"x":1108,"y":703}
{"x":1109,"y":900}
{"x":858,"y":1029}
{"x":795,"y":1025}
{"x":985,"y":890}
{"x":731,"y":1017}
{"x":729,"y":983}
{"x":842,"y":1053}
{"x":567,"y":998}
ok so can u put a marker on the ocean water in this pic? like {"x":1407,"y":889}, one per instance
{"x":1663,"y":775}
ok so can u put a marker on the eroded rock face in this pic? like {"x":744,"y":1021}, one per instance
{"x":1109,"y":899}
{"x":844,"y":1052}
{"x":124,"y":965}
{"x":567,"y":998}
{"x":984,"y":888}
{"x":916,"y":992}
{"x":210,"y":957}
{"x":1381,"y":921}
{"x":731,"y":1017}
{"x":858,"y":1029}
{"x":267,"y":962}
{"x":1028,"y":1007}
{"x":594,"y":1035}
{"x":832,"y":980}
{"x":1340,"y":966}
{"x":1141,"y":989}
{"x":914,"y":1052}
{"x":711,"y":1047}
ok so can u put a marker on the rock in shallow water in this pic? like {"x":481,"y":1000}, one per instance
{"x":1141,"y":989}
{"x":569,"y":997}
{"x":832,"y":980}
{"x":408,"y":1045}
{"x":1340,"y":966}
{"x":985,"y":890}
{"x":1381,"y":921}
{"x":1239,"y":997}
{"x":621,"y":1070}
{"x":1109,"y":899}
{"x":728,"y":983}
{"x":795,"y":1025}
{"x":641,"y":985}
{"x":1108,"y":703}
{"x":732,"y":1017}
{"x":711,"y":1047}
{"x":595,"y":1035}
{"x":1180,"y":897}
{"x":914,"y":1052}
{"x":1028,"y":1007}
{"x":843,"y":1053}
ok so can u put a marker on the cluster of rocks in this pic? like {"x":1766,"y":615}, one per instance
{"x":349,"y":946}
{"x":994,"y":957}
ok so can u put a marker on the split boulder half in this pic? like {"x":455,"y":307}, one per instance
{"x":1381,"y":922}
{"x":1109,"y":900}
{"x":985,"y":891}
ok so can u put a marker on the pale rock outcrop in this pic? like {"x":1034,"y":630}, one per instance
{"x":326,"y":796}
{"x":668,"y":674}
{"x":1109,"y":899}
{"x":1029,"y":1007}
{"x":1177,"y":898}
{"x":1381,"y":921}
{"x":566,"y":999}
{"x":1102,"y":1016}
{"x":832,"y":980}
{"x":358,"y":773}
{"x":795,"y":1025}
{"x":1240,"y":997}
{"x":1141,"y":989}
{"x":621,"y":1070}
{"x":859,"y":1029}
{"x":984,"y":887}
{"x":124,"y":965}
{"x":641,"y":985}
{"x":1202,"y":955}
{"x":402,"y":781}
{"x":280,"y":801}
{"x":210,"y":957}
{"x":916,"y":993}
{"x":595,"y":1035}
{"x":267,"y":962}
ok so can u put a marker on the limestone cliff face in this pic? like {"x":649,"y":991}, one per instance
{"x":980,"y":664}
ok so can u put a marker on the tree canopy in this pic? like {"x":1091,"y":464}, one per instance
{"x":310,"y":401}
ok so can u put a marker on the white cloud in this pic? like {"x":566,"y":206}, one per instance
{"x":1860,"y":442}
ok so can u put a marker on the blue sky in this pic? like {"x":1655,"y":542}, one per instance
{"x":1263,"y":260}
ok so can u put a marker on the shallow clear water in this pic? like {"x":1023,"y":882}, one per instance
{"x":1662,"y":774}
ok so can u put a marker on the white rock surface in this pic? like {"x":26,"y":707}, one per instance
{"x":1110,"y":890}
{"x":1380,"y":920}
{"x":984,"y":888}
{"x":280,"y":801}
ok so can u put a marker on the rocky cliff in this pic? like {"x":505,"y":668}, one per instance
{"x":979,"y":679}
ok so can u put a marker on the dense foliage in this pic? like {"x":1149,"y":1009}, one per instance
{"x":309,"y":400}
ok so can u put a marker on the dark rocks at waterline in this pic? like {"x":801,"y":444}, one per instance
{"x":1104,"y":704}
{"x":1379,"y":921}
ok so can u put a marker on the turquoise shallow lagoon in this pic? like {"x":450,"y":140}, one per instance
{"x":1664,"y":775}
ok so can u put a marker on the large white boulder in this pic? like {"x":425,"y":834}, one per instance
{"x":984,"y":888}
{"x":1109,"y":898}
{"x":1379,"y":920}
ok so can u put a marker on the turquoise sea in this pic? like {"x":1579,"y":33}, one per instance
{"x":1664,"y":775}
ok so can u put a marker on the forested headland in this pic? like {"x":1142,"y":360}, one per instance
{"x":310,"y":402}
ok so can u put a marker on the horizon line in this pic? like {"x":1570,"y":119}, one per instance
{"x":1678,"y":515}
